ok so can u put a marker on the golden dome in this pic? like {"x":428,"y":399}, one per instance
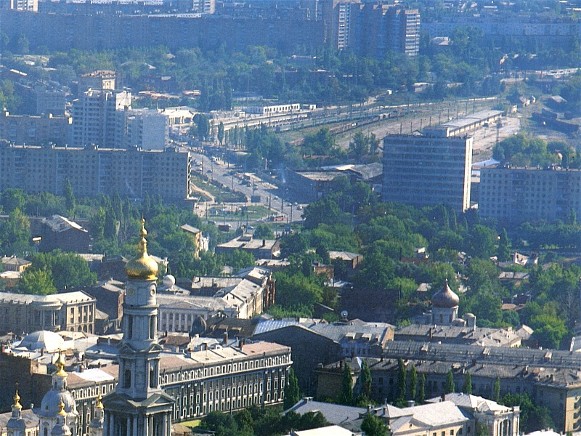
{"x":17,"y":404}
{"x":143,"y":267}
{"x":60,"y":366}
{"x":62,"y":409}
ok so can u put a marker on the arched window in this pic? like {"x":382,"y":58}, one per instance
{"x":152,"y":322}
{"x":127,"y":378}
{"x":129,"y":326}
{"x":152,"y":376}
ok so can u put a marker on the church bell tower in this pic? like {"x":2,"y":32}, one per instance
{"x":139,"y":407}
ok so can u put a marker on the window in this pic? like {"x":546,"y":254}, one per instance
{"x":127,"y":378}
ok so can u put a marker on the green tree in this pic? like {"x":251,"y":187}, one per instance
{"x":346,"y":385}
{"x":12,"y":199}
{"x":373,"y":426}
{"x":467,"y":387}
{"x":238,"y":259}
{"x":292,"y":393}
{"x":496,"y":390}
{"x":450,"y":386}
{"x":202,"y":126}
{"x":401,"y":381}
{"x":36,"y":282}
{"x":504,"y":247}
{"x":70,"y":200}
{"x":221,"y":132}
{"x":15,"y":234}
{"x":221,"y":424}
{"x":532,"y":416}
{"x":296,"y":290}
{"x":359,"y":146}
{"x":421,"y":394}
{"x":413,"y":384}
{"x":263,"y":231}
{"x":67,"y":270}
{"x":365,"y":378}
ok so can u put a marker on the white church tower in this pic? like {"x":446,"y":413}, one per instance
{"x":139,"y":407}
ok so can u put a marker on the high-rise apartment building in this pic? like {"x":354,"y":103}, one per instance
{"x":403,"y":30}
{"x":529,"y":194}
{"x":92,"y":171}
{"x":371,"y":29}
{"x":423,"y":170}
{"x":98,"y":118}
{"x":147,"y":129}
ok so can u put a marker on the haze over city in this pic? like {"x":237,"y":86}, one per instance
{"x":294,"y":218}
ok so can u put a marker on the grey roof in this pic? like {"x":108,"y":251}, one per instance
{"x":43,"y":339}
{"x":471,"y":402}
{"x":334,"y":413}
{"x":59,"y":224}
{"x":496,"y":337}
{"x":548,"y":367}
{"x":190,"y":229}
{"x":190,"y":302}
{"x":29,"y":417}
{"x":343,"y":255}
{"x":67,"y":297}
{"x":430,"y":415}
{"x":336,"y":331}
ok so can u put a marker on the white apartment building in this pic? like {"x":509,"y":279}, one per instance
{"x":529,"y":194}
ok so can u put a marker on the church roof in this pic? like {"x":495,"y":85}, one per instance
{"x":445,"y":298}
{"x":43,"y":340}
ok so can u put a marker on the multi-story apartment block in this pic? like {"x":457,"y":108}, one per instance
{"x":50,"y":100}
{"x":34,"y":129}
{"x":147,"y":129}
{"x":72,"y":311}
{"x":371,"y":29}
{"x":534,"y":28}
{"x":99,"y":118}
{"x":403,"y":30}
{"x":100,"y":79}
{"x":424,"y":170}
{"x":92,"y":171}
{"x":529,"y":194}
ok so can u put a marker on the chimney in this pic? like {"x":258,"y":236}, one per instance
{"x":264,"y":242}
{"x":443,"y":398}
{"x":225,"y":338}
{"x":411,"y":403}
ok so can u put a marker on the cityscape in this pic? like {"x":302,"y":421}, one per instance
{"x":290,"y":218}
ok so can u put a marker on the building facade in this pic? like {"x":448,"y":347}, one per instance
{"x":425,"y":170}
{"x":92,"y":171}
{"x":35,"y":129}
{"x":550,"y":377}
{"x":72,"y":311}
{"x":529,"y":194}
{"x":98,"y":118}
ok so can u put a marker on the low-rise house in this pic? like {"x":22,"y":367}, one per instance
{"x":58,"y":232}
{"x":259,"y":248}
